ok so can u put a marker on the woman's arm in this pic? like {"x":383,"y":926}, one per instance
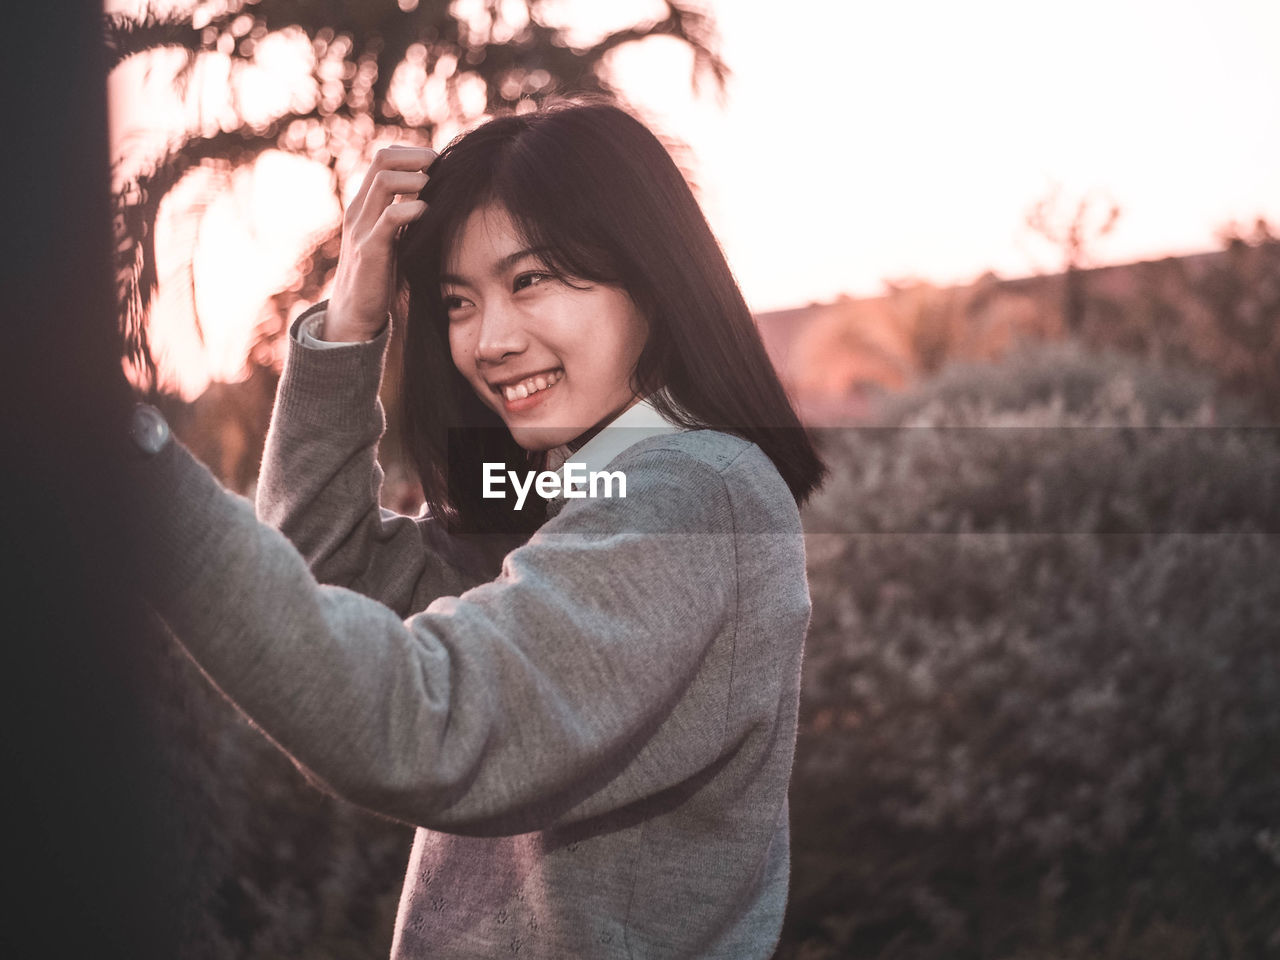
{"x":575,"y":683}
{"x":320,"y":481}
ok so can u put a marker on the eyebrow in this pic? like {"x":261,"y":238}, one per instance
{"x":501,"y":266}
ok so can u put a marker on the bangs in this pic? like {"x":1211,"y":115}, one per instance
{"x":569,"y":245}
{"x":544,"y":201}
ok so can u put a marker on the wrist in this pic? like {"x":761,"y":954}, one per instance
{"x":339,"y":330}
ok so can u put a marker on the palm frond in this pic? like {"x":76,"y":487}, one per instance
{"x":137,"y":206}
{"x":694,"y":27}
{"x":126,"y":37}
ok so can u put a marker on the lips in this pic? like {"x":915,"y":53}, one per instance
{"x":528,"y":385}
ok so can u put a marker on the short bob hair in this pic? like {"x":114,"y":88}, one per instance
{"x":599,"y":194}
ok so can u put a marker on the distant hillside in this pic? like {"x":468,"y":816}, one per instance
{"x":1218,"y":311}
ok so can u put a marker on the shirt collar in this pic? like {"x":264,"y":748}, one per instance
{"x":636,"y":423}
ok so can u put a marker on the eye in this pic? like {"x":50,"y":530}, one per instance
{"x":531,"y":278}
{"x":452,"y":302}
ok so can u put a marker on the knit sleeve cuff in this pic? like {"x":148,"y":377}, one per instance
{"x":330,"y":387}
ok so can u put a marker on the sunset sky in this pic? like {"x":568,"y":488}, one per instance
{"x":858,"y":142}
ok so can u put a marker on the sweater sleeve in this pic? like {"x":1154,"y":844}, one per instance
{"x":543,"y":697}
{"x":307,"y":332}
{"x":320,"y":481}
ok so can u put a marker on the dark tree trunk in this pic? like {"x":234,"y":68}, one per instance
{"x":1073,"y":301}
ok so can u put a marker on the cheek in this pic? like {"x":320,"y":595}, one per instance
{"x":626,"y":331}
{"x":460,"y":349}
{"x":462,"y":352}
{"x":634,"y":337}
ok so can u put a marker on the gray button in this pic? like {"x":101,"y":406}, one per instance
{"x":149,"y":429}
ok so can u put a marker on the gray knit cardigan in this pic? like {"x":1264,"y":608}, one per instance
{"x":594,"y":744}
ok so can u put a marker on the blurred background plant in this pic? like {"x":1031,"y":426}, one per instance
{"x":1040,"y":713}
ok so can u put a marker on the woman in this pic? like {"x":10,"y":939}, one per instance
{"x":588,"y":709}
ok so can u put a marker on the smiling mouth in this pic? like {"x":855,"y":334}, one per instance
{"x":530,"y":387}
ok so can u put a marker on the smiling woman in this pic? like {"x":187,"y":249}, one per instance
{"x":592,"y":726}
{"x":552,"y":356}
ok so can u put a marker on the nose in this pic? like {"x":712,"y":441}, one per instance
{"x":501,"y":333}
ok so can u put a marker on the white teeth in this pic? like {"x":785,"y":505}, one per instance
{"x":532,"y":385}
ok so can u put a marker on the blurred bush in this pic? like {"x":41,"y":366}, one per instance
{"x":274,"y":867}
{"x":1034,"y":727}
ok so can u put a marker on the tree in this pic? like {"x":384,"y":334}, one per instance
{"x":1073,"y":233}
{"x":379,"y":70}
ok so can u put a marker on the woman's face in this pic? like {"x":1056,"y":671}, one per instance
{"x":553,"y":361}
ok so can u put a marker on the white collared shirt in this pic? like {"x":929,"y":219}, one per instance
{"x":638,"y":422}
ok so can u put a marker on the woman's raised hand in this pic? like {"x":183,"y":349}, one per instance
{"x":362,"y":288}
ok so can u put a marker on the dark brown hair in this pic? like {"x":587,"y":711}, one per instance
{"x":594,"y":188}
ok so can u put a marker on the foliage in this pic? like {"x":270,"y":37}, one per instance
{"x":1034,"y":726}
{"x":1216,"y":313}
{"x":265,"y":865}
{"x":1224,"y":317}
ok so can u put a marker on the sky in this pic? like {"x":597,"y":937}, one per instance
{"x":865,"y":141}
{"x":857,"y":143}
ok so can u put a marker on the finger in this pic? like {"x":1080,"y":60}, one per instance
{"x":396,"y":216}
{"x":386,"y":184}
{"x":395,"y":157}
